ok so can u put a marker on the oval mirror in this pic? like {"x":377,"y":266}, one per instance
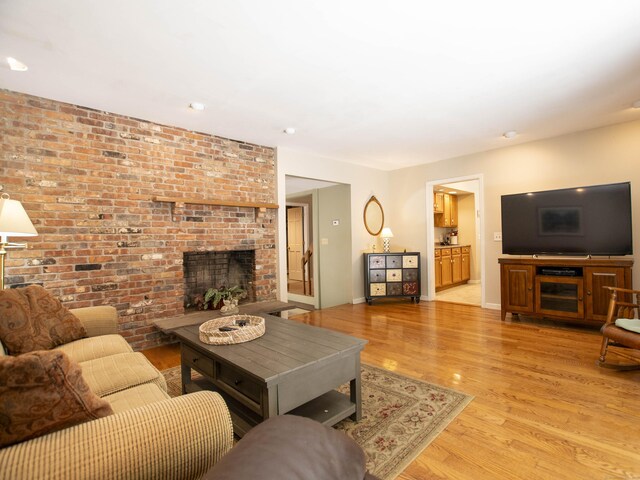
{"x":373,"y":216}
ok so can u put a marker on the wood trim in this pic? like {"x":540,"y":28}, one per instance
{"x":569,"y":262}
{"x":223,"y":203}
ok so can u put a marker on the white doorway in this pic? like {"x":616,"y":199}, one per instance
{"x":470,"y":203}
{"x":326,"y":242}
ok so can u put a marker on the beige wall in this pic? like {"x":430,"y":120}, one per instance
{"x":604,"y":155}
{"x":334,"y":246}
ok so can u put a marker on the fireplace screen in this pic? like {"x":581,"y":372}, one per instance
{"x":205,"y":270}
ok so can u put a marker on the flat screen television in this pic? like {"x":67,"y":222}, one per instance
{"x":593,"y":220}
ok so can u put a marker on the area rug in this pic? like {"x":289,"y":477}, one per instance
{"x":401,"y":416}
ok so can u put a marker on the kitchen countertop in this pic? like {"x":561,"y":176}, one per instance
{"x":453,"y":246}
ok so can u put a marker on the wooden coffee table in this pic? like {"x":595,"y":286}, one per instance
{"x":293,"y":368}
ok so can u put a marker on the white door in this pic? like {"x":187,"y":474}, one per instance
{"x":295,"y":244}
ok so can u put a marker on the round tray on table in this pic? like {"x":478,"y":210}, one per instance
{"x":232,"y":329}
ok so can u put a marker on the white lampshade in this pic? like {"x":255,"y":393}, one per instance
{"x":14,"y":221}
{"x":386,"y":233}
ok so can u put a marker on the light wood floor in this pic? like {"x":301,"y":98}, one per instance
{"x":542,"y":408}
{"x":297,"y":287}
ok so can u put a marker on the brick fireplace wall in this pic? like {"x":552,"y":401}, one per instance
{"x":86,"y":178}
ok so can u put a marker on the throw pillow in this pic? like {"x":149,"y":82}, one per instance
{"x":41,"y":392}
{"x":631,"y":324}
{"x":33,"y":319}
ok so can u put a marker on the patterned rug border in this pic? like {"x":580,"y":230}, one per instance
{"x":437,"y":428}
{"x":362,"y":433}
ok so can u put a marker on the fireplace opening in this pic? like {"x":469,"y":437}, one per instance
{"x":205,"y":270}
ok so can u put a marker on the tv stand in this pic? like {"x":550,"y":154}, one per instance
{"x":561,"y":289}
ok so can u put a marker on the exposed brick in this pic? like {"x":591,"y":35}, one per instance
{"x":86,"y":178}
{"x":112,"y":154}
{"x":104,"y":286}
{"x":88,"y":266}
{"x":130,"y":230}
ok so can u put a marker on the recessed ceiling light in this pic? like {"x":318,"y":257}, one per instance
{"x":196,"y":106}
{"x":636,"y":104}
{"x":510,"y":134}
{"x":289,"y":130}
{"x":16,"y":65}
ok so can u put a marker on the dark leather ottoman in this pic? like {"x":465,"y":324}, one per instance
{"x":292,"y":448}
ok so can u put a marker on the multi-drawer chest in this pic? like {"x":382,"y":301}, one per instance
{"x":392,"y":275}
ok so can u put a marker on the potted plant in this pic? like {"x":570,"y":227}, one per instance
{"x":215,"y":296}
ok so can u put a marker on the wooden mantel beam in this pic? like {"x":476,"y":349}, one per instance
{"x":223,"y":203}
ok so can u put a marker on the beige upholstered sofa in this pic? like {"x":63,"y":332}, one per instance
{"x":150,"y":435}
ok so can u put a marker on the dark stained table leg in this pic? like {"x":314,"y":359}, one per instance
{"x":355,"y":391}
{"x":186,"y":377}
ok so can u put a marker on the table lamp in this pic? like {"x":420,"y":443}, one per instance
{"x":14,"y":222}
{"x":386,"y":235}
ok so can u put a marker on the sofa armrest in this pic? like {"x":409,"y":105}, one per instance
{"x":102,"y":320}
{"x":177,"y":438}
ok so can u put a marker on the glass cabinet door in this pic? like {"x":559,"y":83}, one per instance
{"x":559,"y":296}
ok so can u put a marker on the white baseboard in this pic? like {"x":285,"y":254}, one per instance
{"x":358,"y":300}
{"x":492,"y":306}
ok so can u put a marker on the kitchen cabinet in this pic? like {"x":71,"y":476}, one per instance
{"x":438,"y":268}
{"x":466,"y":263}
{"x":445,"y":267}
{"x":438,"y":203}
{"x":456,"y":265}
{"x":452,"y":266}
{"x":447,"y":216}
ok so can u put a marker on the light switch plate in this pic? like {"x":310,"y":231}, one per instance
{"x":497,"y":236}
{"x":324,"y":241}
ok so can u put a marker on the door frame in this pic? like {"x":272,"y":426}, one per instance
{"x":431,"y":284}
{"x":311,"y":217}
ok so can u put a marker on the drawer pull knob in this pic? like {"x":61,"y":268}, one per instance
{"x":195,"y":360}
{"x":237,"y":382}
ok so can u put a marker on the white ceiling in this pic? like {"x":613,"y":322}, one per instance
{"x":379,"y":83}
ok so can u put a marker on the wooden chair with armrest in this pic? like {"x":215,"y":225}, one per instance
{"x":622,"y":328}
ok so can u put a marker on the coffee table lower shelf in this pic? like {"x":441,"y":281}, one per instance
{"x":327,"y":409}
